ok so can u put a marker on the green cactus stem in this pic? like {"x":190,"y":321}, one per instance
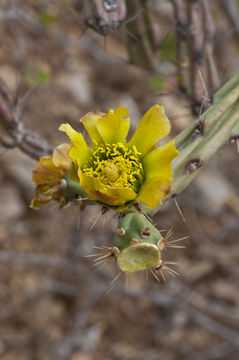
{"x":226,"y":88}
{"x":139,"y":35}
{"x":139,"y":242}
{"x":201,"y":140}
{"x":222,"y":101}
{"x":186,"y":167}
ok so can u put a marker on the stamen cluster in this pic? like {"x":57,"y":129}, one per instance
{"x":116,"y":165}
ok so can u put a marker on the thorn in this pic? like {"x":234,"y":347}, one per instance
{"x":116,"y":278}
{"x":162,"y":274}
{"x":91,"y":255}
{"x":154,"y":275}
{"x":162,"y":243}
{"x":101,"y":266}
{"x":205,"y":96}
{"x":137,"y":207}
{"x":102,"y":257}
{"x":147,"y":216}
{"x":52,"y":190}
{"x":95,"y":222}
{"x":80,"y":199}
{"x":169,"y":233}
{"x":179,"y":210}
{"x":176,"y":246}
{"x":203,"y":84}
{"x":100,"y":262}
{"x":113,"y":282}
{"x":177,"y":240}
{"x":171,"y":271}
{"x":109,"y":290}
{"x":171,"y":263}
{"x":98,"y":247}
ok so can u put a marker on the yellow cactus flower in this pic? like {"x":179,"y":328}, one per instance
{"x":115,"y":172}
{"x":48,"y":174}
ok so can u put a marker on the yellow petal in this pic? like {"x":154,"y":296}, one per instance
{"x":60,"y":156}
{"x":73,"y":173}
{"x":47,"y":173}
{"x":158,"y":174}
{"x":79,"y":150}
{"x":113,"y":127}
{"x":153,"y":127}
{"x":105,"y":194}
{"x":37,"y":202}
{"x":89,"y":121}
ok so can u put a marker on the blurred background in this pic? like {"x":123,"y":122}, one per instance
{"x":60,"y":59}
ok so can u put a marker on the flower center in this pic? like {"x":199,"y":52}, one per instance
{"x":116,"y":165}
{"x":111,"y":172}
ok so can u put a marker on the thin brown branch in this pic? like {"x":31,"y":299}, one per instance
{"x":13,"y":133}
{"x":180,"y":14}
{"x":196,"y":47}
{"x":230,"y":9}
{"x":140,"y":41}
{"x":210,"y":33}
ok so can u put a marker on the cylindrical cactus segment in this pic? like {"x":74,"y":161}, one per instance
{"x":139,"y":242}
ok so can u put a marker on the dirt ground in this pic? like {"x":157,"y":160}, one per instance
{"x":54,"y":302}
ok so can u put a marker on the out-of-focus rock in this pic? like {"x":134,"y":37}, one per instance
{"x":194,"y":272}
{"x":216,"y":192}
{"x":11,"y":203}
{"x":80,"y":356}
{"x":18,"y":167}
{"x":8,"y":74}
{"x":226,"y":291}
{"x":78,"y":84}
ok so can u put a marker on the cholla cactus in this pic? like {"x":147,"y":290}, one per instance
{"x":134,"y":177}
